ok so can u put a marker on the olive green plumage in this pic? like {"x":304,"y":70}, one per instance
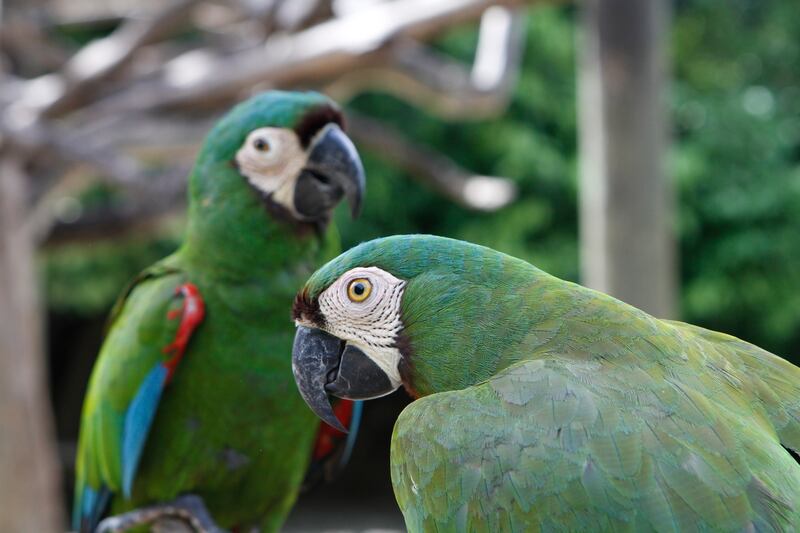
{"x":230,"y":426}
{"x":543,"y":405}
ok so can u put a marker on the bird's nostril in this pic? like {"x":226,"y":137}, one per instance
{"x":322,"y":178}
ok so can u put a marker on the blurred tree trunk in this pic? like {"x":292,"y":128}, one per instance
{"x":627,"y":246}
{"x":30,"y":496}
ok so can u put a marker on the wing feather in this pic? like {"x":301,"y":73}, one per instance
{"x":124,"y":391}
{"x":559,"y":445}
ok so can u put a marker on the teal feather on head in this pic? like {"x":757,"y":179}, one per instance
{"x":408,"y":256}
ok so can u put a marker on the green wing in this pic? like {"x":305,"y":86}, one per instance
{"x":138,"y":329}
{"x":560,"y":444}
{"x":774,"y":381}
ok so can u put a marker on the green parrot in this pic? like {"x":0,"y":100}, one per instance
{"x":541,"y":405}
{"x":192,"y":392}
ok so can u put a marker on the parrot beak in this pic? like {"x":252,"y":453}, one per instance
{"x":324,"y":364}
{"x":333,"y":170}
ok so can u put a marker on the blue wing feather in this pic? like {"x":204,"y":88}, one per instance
{"x":88,"y":508}
{"x":115,"y":424}
{"x":90,"y":503}
{"x":138,"y":420}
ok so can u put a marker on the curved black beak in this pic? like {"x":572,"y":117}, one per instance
{"x":333,"y":171}
{"x":324,"y":364}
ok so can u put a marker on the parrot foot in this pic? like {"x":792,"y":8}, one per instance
{"x":187,"y":514}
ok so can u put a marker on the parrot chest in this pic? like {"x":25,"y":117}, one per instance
{"x":231,"y":426}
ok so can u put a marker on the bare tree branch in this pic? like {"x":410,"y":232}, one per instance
{"x":147,"y":191}
{"x":482,"y":193}
{"x":377,"y":44}
{"x":103,"y":58}
{"x":318,"y":53}
{"x":431,"y":80}
{"x":37,"y":140}
{"x":301,"y":14}
{"x":19,"y":37}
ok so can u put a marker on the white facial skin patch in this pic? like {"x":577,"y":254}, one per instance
{"x":271,"y":159}
{"x":372,"y":324}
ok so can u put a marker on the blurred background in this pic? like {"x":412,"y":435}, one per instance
{"x":648,"y":149}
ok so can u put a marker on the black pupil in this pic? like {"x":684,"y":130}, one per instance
{"x":260,"y":144}
{"x":358,"y":289}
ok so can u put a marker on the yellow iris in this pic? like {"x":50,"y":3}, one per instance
{"x":359,"y":289}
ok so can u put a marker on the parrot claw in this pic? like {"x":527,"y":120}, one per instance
{"x":187,"y":514}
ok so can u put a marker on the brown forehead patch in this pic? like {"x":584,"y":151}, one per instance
{"x":306,"y":309}
{"x":314,"y":120}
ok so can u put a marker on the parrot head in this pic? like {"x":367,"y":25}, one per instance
{"x":409,"y":310}
{"x":279,"y":154}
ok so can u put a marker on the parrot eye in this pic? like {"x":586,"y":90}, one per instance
{"x":359,"y":290}
{"x":261,"y":144}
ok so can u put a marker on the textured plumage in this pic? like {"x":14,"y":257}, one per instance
{"x":543,"y":405}
{"x":221,"y":420}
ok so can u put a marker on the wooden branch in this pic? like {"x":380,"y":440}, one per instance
{"x":301,"y":14}
{"x":481,"y":193}
{"x":145,"y":197}
{"x":321,"y":52}
{"x":165,"y":192}
{"x":12,"y":89}
{"x":103,"y":58}
{"x":29,"y":48}
{"x":37,"y":140}
{"x":159,"y":137}
{"x":431,"y":80}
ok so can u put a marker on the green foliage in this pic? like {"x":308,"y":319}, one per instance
{"x":87,"y":279}
{"x":736,"y":115}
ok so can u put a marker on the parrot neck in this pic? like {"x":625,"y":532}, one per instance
{"x":540,"y":316}
{"x":232,"y":233}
